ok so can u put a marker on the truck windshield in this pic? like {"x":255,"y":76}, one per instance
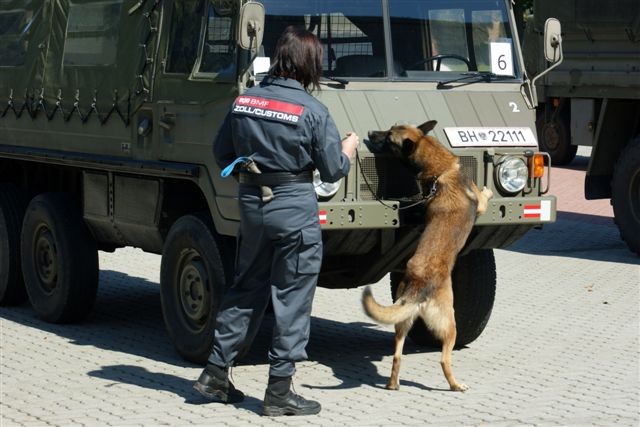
{"x":424,"y":39}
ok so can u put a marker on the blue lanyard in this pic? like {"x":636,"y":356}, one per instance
{"x":229,"y":169}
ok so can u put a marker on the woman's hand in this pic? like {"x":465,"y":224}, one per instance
{"x":350,"y":144}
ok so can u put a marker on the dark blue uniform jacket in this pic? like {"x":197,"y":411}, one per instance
{"x":283,"y":128}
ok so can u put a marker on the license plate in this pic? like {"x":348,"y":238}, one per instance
{"x":491,"y":137}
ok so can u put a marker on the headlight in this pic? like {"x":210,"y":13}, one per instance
{"x":512,"y":174}
{"x":324,"y":189}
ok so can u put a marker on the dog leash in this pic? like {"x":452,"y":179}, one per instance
{"x":425,"y":198}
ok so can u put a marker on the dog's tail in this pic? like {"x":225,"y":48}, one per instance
{"x":391,"y":314}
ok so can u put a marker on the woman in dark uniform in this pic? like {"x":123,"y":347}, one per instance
{"x":287,"y":133}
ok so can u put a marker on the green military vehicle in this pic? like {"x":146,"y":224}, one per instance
{"x":593,"y":98}
{"x":110,"y":108}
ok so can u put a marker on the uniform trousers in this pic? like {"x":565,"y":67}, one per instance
{"x":279,"y":257}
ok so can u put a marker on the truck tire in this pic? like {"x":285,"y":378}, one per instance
{"x":554,"y":137}
{"x":192,"y":283}
{"x":625,"y":194}
{"x":474,"y":291}
{"x":13,"y":204}
{"x":59,"y":259}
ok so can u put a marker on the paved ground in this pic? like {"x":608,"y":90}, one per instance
{"x":560,"y":349}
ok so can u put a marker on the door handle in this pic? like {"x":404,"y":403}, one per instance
{"x":167,"y":121}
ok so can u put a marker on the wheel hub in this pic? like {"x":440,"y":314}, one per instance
{"x":194,"y":290}
{"x":551,"y":136}
{"x":45,"y":258}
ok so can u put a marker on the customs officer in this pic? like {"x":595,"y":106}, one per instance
{"x":278,"y":133}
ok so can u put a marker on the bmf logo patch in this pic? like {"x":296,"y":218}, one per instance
{"x":264,"y":108}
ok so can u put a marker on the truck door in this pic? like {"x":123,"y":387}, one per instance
{"x":195,"y":81}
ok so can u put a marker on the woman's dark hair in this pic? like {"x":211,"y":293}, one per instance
{"x":298,"y":55}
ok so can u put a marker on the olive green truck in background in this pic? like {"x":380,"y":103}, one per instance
{"x":593,"y":98}
{"x":109,"y":109}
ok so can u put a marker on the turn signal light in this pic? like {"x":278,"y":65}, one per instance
{"x":537,"y":166}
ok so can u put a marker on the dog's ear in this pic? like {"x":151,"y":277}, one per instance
{"x":427,"y":126}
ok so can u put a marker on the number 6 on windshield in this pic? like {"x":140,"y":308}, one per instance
{"x":501,"y":59}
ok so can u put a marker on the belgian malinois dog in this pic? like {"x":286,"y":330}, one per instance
{"x":426,"y":290}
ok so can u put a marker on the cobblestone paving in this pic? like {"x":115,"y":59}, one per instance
{"x":561,"y":348}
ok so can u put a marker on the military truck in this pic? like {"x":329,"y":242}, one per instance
{"x":593,"y":98}
{"x":111,"y":106}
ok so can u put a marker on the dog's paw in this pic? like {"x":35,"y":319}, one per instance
{"x":459,"y":387}
{"x":392,"y":386}
{"x":487,"y":192}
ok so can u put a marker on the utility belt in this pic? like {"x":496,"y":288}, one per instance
{"x":270,"y":179}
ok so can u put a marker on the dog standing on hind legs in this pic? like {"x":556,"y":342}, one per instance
{"x":426,"y":289}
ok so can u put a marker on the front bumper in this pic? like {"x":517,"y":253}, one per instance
{"x":519,"y":210}
{"x":385,"y":214}
{"x":354,"y":215}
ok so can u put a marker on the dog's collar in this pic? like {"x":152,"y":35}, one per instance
{"x":433,"y":189}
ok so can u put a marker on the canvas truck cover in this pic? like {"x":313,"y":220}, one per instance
{"x":582,"y":15}
{"x":82,"y":59}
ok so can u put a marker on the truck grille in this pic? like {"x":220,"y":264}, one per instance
{"x":469,"y":167}
{"x":389,"y":178}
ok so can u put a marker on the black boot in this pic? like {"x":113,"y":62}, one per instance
{"x":214,"y":384}
{"x":279,"y":399}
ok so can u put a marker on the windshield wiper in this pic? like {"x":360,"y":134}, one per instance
{"x":471,"y":77}
{"x":342,"y":81}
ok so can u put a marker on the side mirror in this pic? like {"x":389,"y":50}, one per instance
{"x":552,"y":40}
{"x":251,"y":25}
{"x":552,"y":53}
